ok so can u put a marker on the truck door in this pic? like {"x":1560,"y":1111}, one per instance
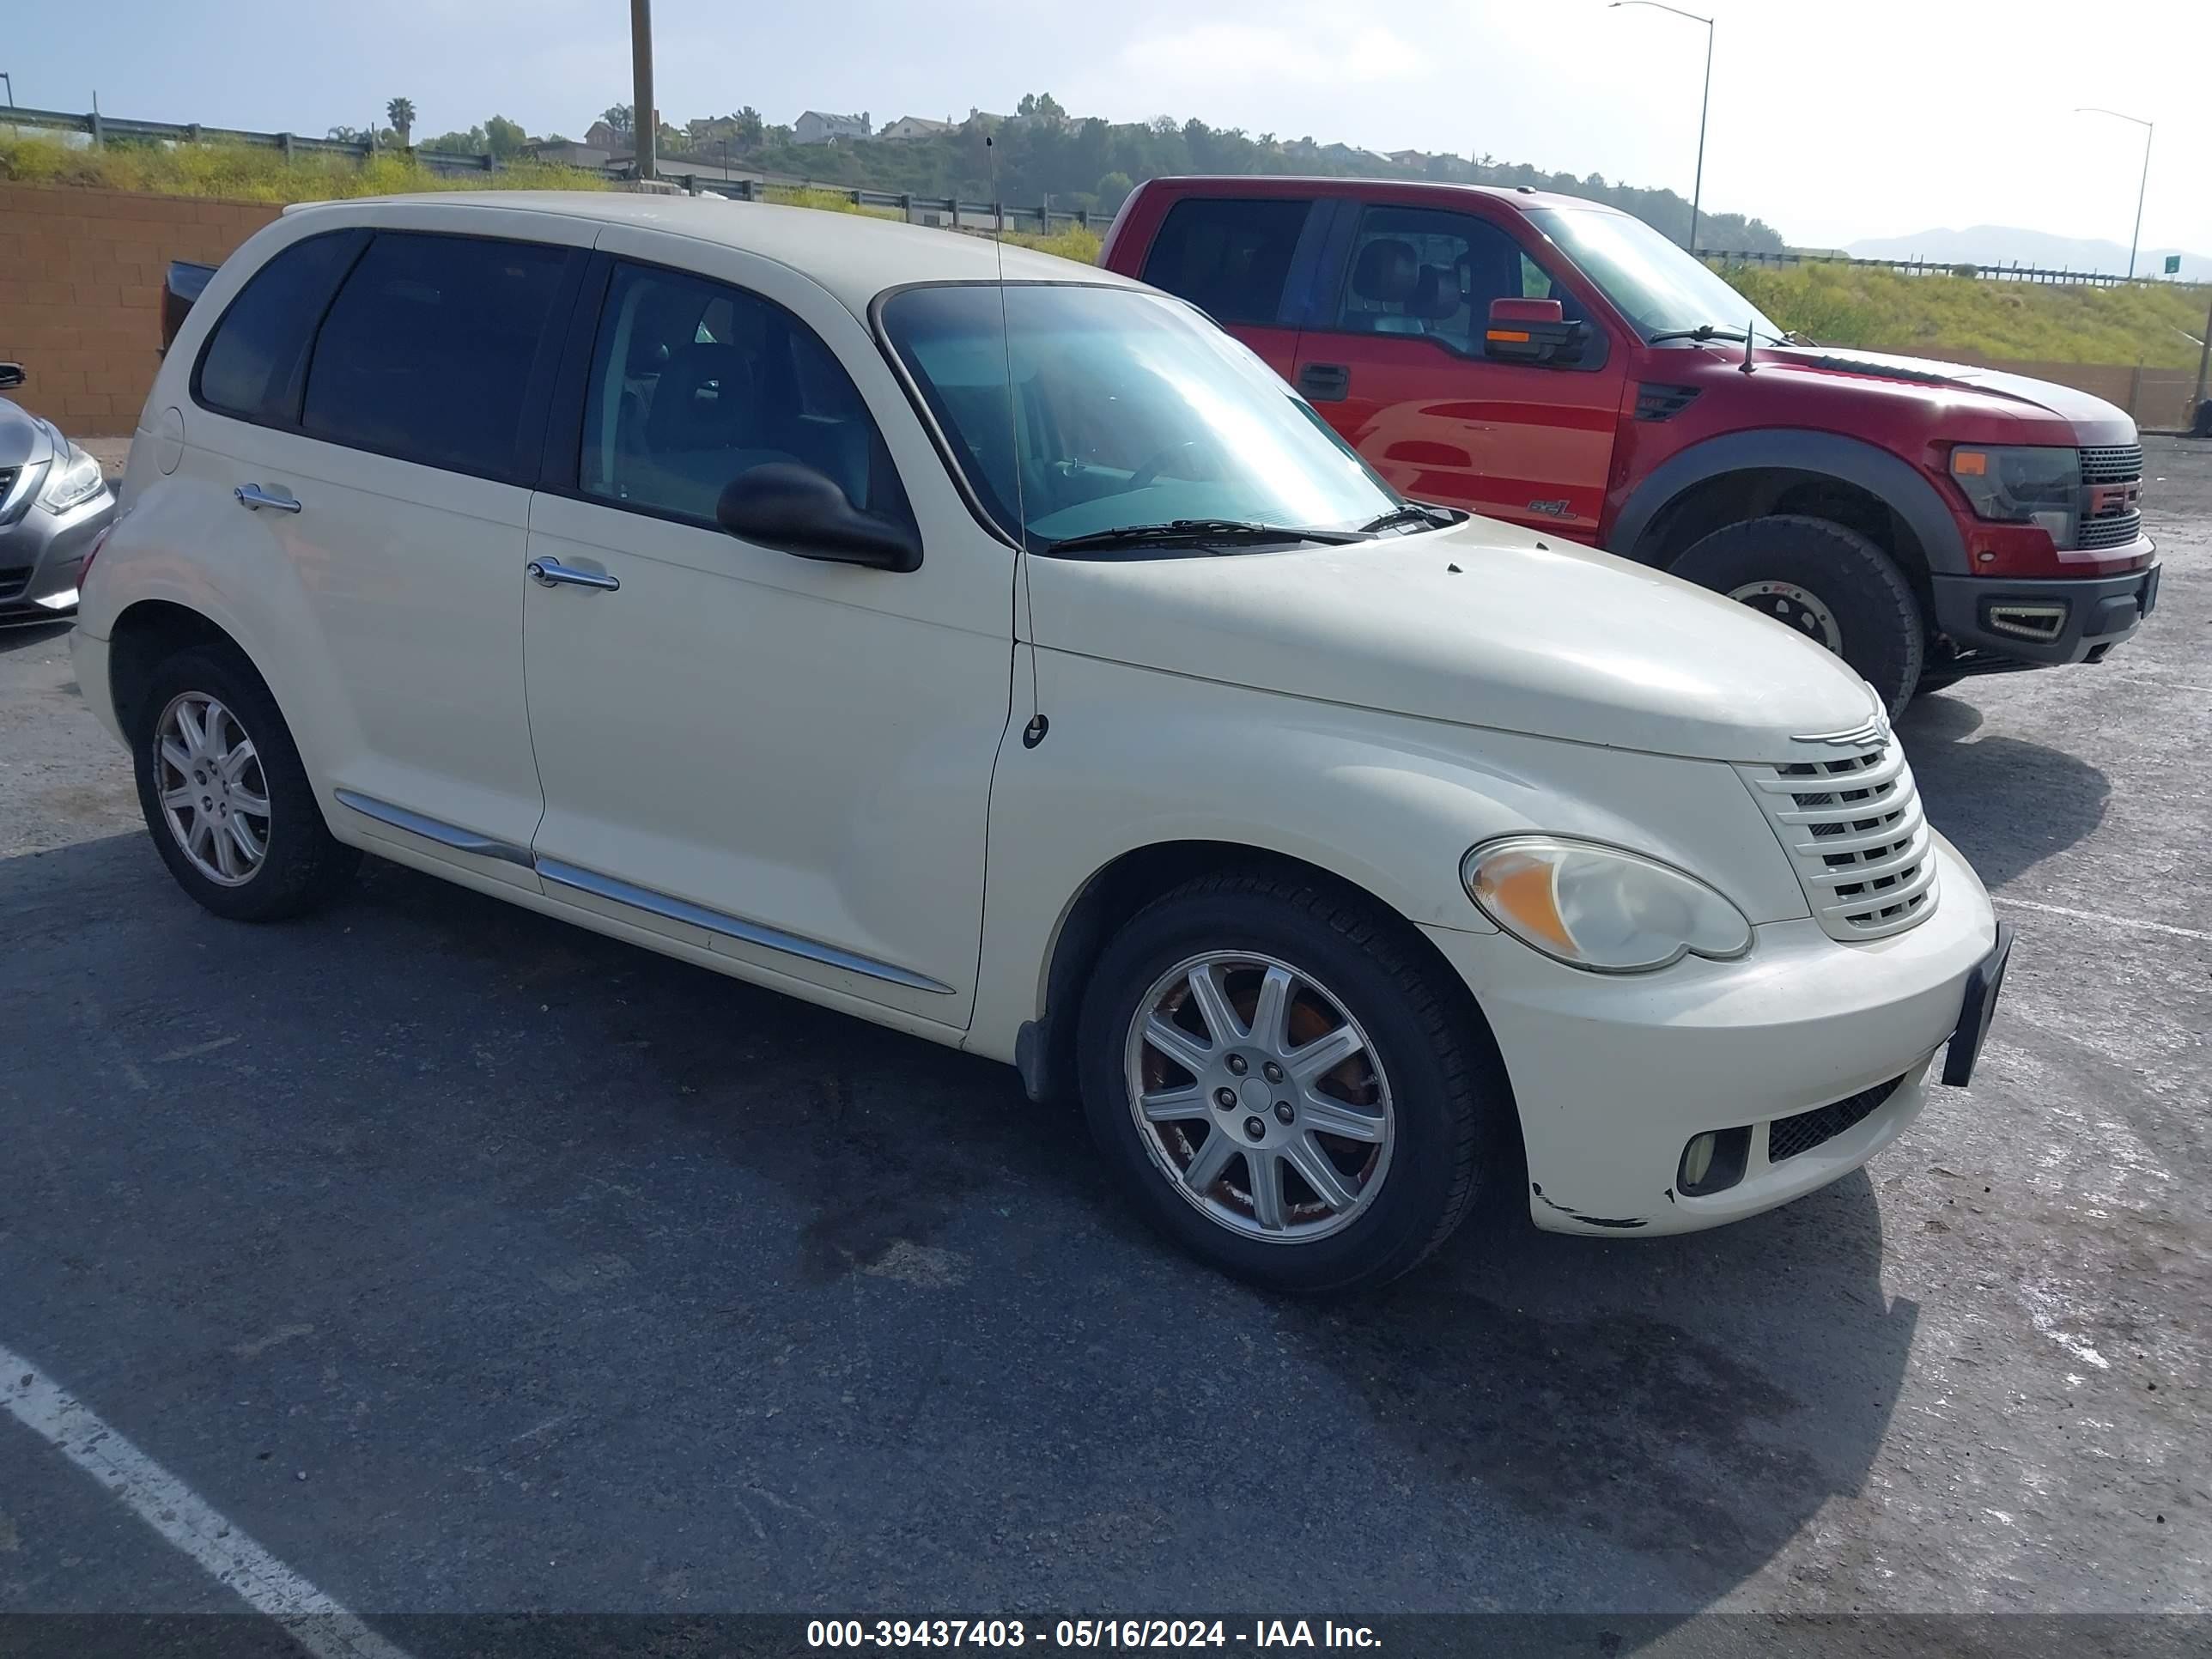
{"x":1233,"y":258}
{"x":1396,"y":362}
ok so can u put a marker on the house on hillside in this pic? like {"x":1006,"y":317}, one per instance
{"x":600,"y":135}
{"x":908,"y":128}
{"x":813,"y":127}
{"x":568,"y":153}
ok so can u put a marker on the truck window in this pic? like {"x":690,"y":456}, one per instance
{"x":1423,"y":271}
{"x":1229,"y":259}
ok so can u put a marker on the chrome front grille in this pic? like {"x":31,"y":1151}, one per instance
{"x":1854,"y":830}
{"x":2112,"y":464}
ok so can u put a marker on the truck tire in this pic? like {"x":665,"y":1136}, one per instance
{"x":1830,"y":583}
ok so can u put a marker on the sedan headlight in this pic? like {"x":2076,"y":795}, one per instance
{"x":1600,"y":907}
{"x":70,"y":482}
{"x":2022,"y":485}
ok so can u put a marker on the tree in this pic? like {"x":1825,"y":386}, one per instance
{"x":472,"y":143}
{"x":749,"y":126}
{"x":504,"y":138}
{"x":620,"y":116}
{"x":400,"y":111}
{"x":1114,"y":190}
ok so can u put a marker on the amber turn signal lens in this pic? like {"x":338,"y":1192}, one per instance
{"x":1969,"y":463}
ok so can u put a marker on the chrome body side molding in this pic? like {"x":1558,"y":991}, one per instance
{"x":437,"y":829}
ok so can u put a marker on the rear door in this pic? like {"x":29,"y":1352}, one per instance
{"x":1238,"y":259}
{"x":1402,"y":338}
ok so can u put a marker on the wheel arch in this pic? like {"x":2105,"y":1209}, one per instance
{"x":1743,"y":475}
{"x":146,"y":634}
{"x":1044,"y":1049}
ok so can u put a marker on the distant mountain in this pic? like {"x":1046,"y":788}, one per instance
{"x":2005,"y":244}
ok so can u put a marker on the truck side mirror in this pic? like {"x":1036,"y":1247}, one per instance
{"x":1531,"y":332}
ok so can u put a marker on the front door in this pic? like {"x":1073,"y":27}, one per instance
{"x":785,"y":761}
{"x":1530,"y":444}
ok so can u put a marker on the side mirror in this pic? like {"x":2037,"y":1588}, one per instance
{"x":797,"y":510}
{"x":11,"y":376}
{"x":1531,"y":332}
{"x":181,"y":284}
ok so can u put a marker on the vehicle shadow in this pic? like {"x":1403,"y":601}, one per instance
{"x":16,"y":636}
{"x":2009,"y":804}
{"x":578,"y":1217}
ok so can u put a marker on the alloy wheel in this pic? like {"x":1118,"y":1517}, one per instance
{"x":213,"y":792}
{"x":1258,"y":1096}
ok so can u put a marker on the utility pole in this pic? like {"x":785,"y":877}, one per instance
{"x":2149,"y":132}
{"x":1704,"y":107}
{"x":644,"y":128}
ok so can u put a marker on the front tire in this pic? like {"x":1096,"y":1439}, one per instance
{"x":1284,"y":1086}
{"x":225,"y":796}
{"x":1829,"y":583}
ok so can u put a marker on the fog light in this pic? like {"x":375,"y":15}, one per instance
{"x":1713,"y":1162}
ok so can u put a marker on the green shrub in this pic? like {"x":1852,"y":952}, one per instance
{"x":251,"y":172}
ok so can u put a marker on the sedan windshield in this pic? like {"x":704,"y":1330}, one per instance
{"x":1657,"y":286}
{"x":1134,"y":414}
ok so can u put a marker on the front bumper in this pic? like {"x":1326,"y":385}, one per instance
{"x":2045,"y":619}
{"x":42,"y":554}
{"x":1614,"y":1074}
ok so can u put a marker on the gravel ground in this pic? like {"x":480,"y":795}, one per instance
{"x":471,"y":1262}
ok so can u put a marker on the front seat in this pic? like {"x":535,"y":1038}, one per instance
{"x":1385,"y":274}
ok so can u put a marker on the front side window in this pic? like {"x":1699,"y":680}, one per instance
{"x":695,"y":382}
{"x":1231,"y":259}
{"x":255,"y":358}
{"x":1130,"y":408}
{"x":427,"y":352}
{"x":1420,"y":271}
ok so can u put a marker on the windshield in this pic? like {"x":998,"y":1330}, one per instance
{"x":1132,"y":410}
{"x":1657,"y":286}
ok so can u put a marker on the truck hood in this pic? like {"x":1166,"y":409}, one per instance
{"x":1482,"y":625}
{"x":2094,"y":419}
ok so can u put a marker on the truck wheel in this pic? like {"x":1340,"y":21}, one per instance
{"x":1284,"y":1085}
{"x":1831,"y":584}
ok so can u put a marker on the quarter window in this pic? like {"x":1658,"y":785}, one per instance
{"x":695,"y":382}
{"x":1420,"y":271}
{"x":256,"y":357}
{"x":1231,"y":259}
{"x":427,"y":352}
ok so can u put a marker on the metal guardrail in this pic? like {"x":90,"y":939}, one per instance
{"x":102,"y":128}
{"x":948,"y":211}
{"x":2011,"y":273}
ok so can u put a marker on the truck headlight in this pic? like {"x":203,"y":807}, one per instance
{"x":2022,"y":485}
{"x":70,"y":482}
{"x":1600,"y":907}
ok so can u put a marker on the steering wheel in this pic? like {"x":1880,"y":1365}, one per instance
{"x":1150,"y":470}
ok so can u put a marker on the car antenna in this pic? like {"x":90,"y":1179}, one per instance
{"x":1748,"y":332}
{"x":1033,"y":734}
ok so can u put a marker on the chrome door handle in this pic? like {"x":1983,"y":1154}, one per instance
{"x":253,"y":496}
{"x":550,"y":573}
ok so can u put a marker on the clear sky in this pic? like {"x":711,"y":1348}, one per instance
{"x":1832,"y":119}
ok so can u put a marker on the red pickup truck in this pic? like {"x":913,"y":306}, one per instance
{"x":1558,"y":364}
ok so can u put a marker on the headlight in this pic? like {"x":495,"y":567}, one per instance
{"x":1600,"y":907}
{"x":70,"y":482}
{"x":2022,"y":486}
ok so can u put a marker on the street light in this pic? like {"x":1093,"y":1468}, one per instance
{"x":1697,"y":190}
{"x":11,"y":88}
{"x":2148,"y":131}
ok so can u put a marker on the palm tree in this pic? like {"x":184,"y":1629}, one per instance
{"x":400,"y":111}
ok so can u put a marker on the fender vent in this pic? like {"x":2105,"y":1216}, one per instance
{"x":1663,"y":403}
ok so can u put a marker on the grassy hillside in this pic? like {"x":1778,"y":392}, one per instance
{"x":242,"y":172}
{"x":2151,"y":323}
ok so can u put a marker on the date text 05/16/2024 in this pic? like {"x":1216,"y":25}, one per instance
{"x":1066,"y":1633}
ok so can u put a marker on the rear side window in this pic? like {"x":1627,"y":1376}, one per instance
{"x":430,"y":349}
{"x":1229,"y":258}
{"x":255,"y":360}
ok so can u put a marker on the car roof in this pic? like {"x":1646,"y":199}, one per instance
{"x":854,"y":256}
{"x":1228,"y":183}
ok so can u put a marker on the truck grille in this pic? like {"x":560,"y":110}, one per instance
{"x":2110,"y":530}
{"x":1854,"y":832}
{"x":2112,"y":464}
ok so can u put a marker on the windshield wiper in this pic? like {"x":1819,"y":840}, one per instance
{"x":1411,"y":512}
{"x":1702,"y":331}
{"x":1203,"y":530}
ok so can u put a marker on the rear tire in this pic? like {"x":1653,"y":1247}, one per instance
{"x":212,"y":751}
{"x":1439,"y":1114}
{"x":1829,"y":582}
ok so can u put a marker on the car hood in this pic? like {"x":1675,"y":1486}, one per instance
{"x":24,"y":438}
{"x":2094,"y":419}
{"x":1481,"y":625}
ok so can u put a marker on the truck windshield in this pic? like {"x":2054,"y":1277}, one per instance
{"x":1657,"y":285}
{"x":1136,"y":415}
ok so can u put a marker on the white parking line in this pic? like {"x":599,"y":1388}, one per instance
{"x":2006,"y":900}
{"x":181,"y":1515}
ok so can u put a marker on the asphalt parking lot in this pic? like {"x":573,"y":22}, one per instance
{"x":469,"y":1262}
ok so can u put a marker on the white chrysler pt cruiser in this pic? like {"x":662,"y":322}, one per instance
{"x":990,"y":648}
